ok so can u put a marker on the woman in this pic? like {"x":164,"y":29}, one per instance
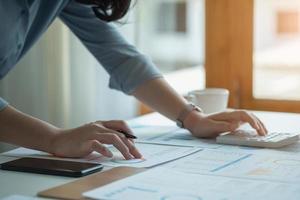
{"x":130,"y":72}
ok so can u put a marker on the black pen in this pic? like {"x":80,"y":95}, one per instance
{"x":127,"y":135}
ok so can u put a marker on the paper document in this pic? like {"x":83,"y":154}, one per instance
{"x":208,"y":161}
{"x":272,"y":167}
{"x":241,"y":164}
{"x":180,"y":137}
{"x":153,"y":155}
{"x":164,"y":184}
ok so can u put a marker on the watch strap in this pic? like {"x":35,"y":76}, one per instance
{"x":185,"y":112}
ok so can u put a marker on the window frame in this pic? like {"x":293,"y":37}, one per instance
{"x":229,"y":55}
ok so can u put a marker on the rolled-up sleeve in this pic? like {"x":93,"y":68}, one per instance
{"x":127,"y":67}
{"x":3,"y":104}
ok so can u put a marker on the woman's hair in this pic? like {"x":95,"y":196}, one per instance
{"x":108,"y":10}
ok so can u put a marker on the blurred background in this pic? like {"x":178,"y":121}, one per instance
{"x":60,"y":82}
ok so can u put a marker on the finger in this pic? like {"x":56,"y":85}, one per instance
{"x":89,"y":146}
{"x":261,"y":124}
{"x":132,"y":148}
{"x":117,"y":125}
{"x":259,"y":131}
{"x":114,"y":139}
{"x":130,"y":145}
{"x":100,"y":148}
{"x":246,"y":117}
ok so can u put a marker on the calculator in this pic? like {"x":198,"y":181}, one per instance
{"x":252,"y":139}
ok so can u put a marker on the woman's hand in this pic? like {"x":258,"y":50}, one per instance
{"x":207,"y":126}
{"x":82,"y":141}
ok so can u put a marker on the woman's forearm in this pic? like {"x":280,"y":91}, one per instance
{"x":159,"y":95}
{"x":23,"y":130}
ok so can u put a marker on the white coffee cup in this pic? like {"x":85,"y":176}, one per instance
{"x":210,"y":100}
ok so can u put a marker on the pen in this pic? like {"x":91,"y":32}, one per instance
{"x":127,"y":135}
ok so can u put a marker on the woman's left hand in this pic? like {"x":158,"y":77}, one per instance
{"x":207,"y":126}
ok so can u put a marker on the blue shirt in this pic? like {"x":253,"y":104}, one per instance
{"x":22,"y":22}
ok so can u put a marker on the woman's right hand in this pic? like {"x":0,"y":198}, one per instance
{"x":82,"y":141}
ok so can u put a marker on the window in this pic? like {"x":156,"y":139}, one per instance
{"x":172,"y":17}
{"x":276,"y":50}
{"x":288,"y":21}
{"x":252,"y":48}
{"x":172,"y":32}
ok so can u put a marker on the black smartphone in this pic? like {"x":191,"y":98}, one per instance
{"x":52,"y":167}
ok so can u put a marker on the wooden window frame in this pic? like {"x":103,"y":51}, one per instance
{"x":229,"y":55}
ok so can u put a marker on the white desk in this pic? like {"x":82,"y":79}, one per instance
{"x":30,"y":184}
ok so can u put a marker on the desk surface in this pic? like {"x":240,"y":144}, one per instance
{"x":30,"y":184}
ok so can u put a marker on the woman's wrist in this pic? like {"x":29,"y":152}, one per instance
{"x":192,"y":119}
{"x":52,"y":138}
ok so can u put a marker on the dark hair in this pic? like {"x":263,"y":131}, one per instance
{"x":108,"y":10}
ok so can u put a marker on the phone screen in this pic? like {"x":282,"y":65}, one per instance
{"x":51,"y":166}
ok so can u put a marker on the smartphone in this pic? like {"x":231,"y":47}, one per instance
{"x":52,"y":167}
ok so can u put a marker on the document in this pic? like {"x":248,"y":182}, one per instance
{"x":270,"y":166}
{"x":165,"y":184}
{"x":208,"y":161}
{"x":153,"y":155}
{"x":279,"y":167}
{"x":180,"y":137}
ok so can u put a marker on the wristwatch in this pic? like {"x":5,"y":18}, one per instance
{"x":185,"y":112}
